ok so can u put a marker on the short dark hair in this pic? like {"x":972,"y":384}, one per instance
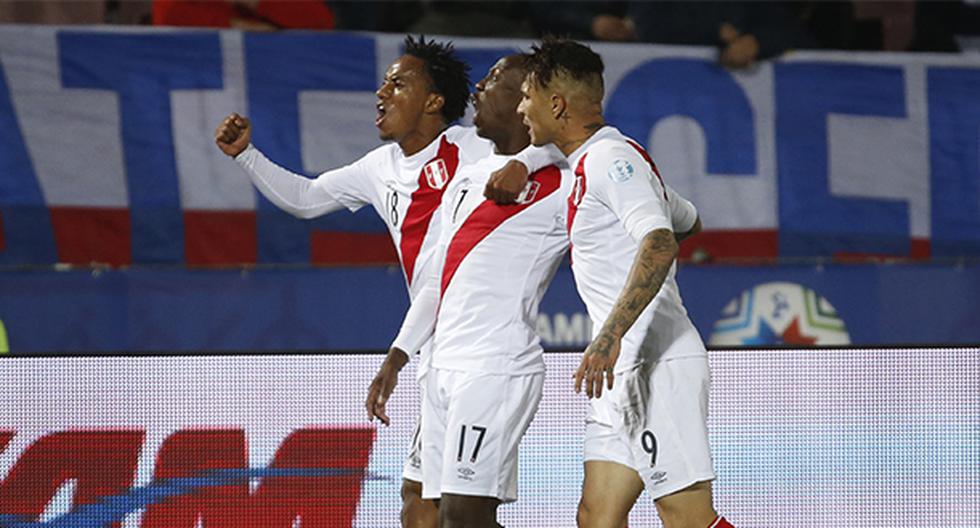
{"x":450,"y":75}
{"x":562,"y":56}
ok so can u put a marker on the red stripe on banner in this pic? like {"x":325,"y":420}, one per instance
{"x":653,"y":166}
{"x":86,"y":235}
{"x":919,"y":249}
{"x":425,"y":200}
{"x":754,"y":244}
{"x":215,"y":238}
{"x":338,"y":248}
{"x":488,"y":216}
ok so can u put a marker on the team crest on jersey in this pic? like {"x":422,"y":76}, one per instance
{"x":436,"y":174}
{"x":779,"y":313}
{"x":621,"y":171}
{"x":529,"y":193}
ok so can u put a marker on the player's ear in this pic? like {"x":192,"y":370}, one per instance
{"x":434,"y":103}
{"x":558,"y":105}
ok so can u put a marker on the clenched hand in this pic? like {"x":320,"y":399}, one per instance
{"x":233,"y":134}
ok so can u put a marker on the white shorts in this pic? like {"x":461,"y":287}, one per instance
{"x":654,"y":420}
{"x":412,"y":469}
{"x":472,"y":424}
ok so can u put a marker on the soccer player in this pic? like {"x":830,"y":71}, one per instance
{"x":649,"y":428}
{"x":481,"y":303}
{"x":423,"y":91}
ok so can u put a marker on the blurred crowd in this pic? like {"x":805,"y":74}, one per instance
{"x":743,"y":31}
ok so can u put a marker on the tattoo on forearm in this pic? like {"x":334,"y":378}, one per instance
{"x":650,"y":267}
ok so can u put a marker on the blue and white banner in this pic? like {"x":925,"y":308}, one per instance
{"x":107,"y":155}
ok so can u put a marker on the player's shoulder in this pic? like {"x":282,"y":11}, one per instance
{"x":615,"y":159}
{"x":383,"y":155}
{"x":461,"y":135}
{"x":472,"y":147}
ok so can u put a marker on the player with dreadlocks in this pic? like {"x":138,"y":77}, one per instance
{"x":423,"y":92}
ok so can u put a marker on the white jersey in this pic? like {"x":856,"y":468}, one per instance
{"x":618,"y":198}
{"x":496,"y":263}
{"x":405,"y":191}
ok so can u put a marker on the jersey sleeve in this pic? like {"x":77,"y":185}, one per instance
{"x":624,"y":182}
{"x":476,"y":148}
{"x":304,"y":197}
{"x":472,"y":147}
{"x":537,"y":158}
{"x":683,"y":214}
{"x":420,"y":320}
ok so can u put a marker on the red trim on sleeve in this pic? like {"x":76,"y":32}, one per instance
{"x":487,"y":217}
{"x":425,"y":200}
{"x":653,"y":166}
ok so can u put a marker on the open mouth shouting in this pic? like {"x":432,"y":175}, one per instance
{"x":380,"y":116}
{"x":475,"y":99}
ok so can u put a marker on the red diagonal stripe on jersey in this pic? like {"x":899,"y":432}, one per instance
{"x":488,"y":216}
{"x":578,"y":192}
{"x":425,"y":200}
{"x":653,"y":166}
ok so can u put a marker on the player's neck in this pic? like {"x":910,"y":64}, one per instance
{"x":415,"y":141}
{"x":576,"y":134}
{"x":513,"y":142}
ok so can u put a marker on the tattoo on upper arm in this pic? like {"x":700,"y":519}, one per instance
{"x":650,"y":268}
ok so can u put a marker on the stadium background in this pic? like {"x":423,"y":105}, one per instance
{"x":841,"y":199}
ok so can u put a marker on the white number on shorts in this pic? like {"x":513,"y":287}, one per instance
{"x":462,"y":442}
{"x":650,"y":446}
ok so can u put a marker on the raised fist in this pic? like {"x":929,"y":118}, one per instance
{"x":233,"y":134}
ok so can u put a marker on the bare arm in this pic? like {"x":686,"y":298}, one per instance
{"x":656,"y":254}
{"x":650,"y":267}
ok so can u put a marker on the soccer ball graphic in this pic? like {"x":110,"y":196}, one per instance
{"x":778,"y":313}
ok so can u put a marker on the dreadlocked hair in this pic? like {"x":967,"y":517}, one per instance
{"x":449,"y":74}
